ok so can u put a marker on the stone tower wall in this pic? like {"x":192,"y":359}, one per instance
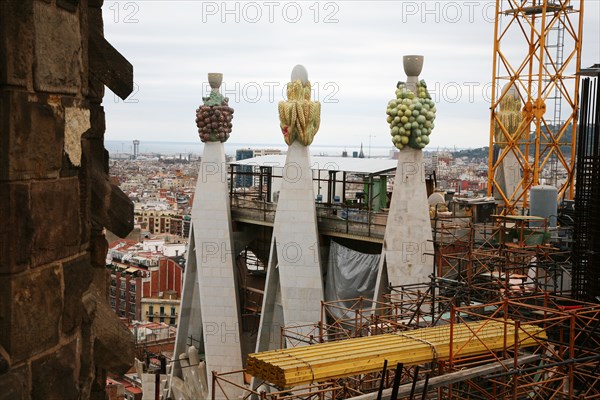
{"x":56,"y":337}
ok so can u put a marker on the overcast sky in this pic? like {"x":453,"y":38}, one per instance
{"x":352,"y":49}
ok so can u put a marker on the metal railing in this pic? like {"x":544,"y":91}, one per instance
{"x":355,"y":220}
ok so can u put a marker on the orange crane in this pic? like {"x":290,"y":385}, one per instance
{"x":537,"y":54}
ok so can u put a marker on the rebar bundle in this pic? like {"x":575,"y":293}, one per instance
{"x":586,"y":260}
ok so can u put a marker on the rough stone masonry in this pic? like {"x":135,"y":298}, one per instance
{"x":58,"y":336}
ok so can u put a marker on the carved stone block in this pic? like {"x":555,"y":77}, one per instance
{"x":55,"y":218}
{"x":30,"y":310}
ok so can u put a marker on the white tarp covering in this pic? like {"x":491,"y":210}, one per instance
{"x":350,"y":274}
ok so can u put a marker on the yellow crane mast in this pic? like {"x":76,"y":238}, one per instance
{"x":537,"y":55}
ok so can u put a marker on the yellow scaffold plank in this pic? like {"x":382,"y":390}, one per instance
{"x":321,"y":362}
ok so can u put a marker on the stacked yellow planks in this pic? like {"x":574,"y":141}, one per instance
{"x":320,"y":362}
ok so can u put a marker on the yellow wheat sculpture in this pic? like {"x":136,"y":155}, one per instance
{"x":299,"y":118}
{"x":511,"y":117}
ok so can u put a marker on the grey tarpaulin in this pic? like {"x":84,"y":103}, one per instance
{"x":350,"y":274}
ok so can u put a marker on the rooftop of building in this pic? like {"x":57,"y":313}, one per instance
{"x":367,"y":166}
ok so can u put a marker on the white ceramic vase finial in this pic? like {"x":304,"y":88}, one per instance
{"x":413,"y":65}
{"x":214,"y":80}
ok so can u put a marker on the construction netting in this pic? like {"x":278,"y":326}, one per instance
{"x":350,"y":275}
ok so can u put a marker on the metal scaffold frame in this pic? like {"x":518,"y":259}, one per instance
{"x":558,"y":359}
{"x":506,"y":258}
{"x":363,"y":318}
{"x":495,"y":286}
{"x":543,"y":74}
{"x":569,"y":355}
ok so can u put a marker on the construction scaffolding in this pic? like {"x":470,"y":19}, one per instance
{"x":511,"y":256}
{"x":493,"y":322}
{"x":539,"y":347}
{"x":570,"y":357}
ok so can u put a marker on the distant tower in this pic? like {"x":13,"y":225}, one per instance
{"x":244,"y":176}
{"x":361,"y":154}
{"x":136,"y":149}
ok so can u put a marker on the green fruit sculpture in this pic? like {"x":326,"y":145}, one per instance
{"x":411,"y":116}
